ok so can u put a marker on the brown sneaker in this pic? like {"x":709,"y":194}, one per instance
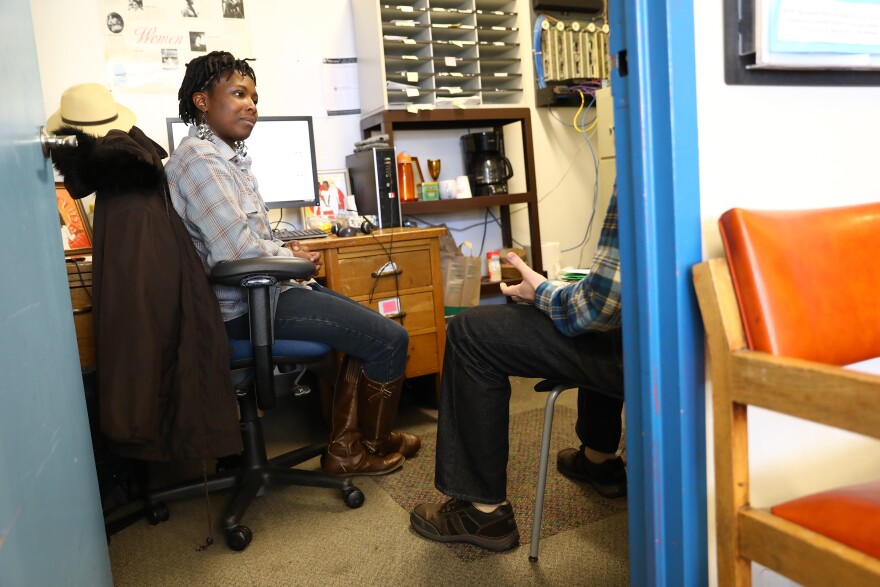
{"x":608,"y":478}
{"x":460,"y":521}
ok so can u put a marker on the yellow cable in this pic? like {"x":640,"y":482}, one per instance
{"x":588,"y":128}
{"x":576,"y":114}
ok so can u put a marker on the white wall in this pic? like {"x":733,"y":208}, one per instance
{"x":563,"y":165}
{"x":785,"y":148}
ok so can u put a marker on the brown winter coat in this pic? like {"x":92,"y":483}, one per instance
{"x":160,"y":344}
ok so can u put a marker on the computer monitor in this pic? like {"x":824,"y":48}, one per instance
{"x":283,"y":151}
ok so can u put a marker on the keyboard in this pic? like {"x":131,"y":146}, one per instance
{"x":299,"y":235}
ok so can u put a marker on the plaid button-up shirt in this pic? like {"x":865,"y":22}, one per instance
{"x":594,"y":302}
{"x":216,"y":195}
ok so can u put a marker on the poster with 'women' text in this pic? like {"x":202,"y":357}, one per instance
{"x":149,"y":42}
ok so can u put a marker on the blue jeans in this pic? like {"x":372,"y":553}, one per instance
{"x":320,"y":314}
{"x":484,"y":347}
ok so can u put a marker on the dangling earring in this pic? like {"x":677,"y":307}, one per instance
{"x":204,"y":131}
{"x":240,"y":149}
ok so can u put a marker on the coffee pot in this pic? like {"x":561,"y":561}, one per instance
{"x":485,"y":164}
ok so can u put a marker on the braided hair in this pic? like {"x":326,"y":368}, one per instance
{"x":203,"y":73}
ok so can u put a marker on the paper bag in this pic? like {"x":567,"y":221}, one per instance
{"x":461,"y":277}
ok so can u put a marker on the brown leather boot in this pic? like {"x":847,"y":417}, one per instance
{"x":377,"y":410}
{"x":346,"y":455}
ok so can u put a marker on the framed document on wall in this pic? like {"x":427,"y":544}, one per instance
{"x":802,"y":42}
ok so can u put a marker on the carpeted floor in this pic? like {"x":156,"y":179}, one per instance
{"x":567,"y":505}
{"x":307,"y":536}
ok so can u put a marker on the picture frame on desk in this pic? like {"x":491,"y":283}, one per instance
{"x":76,"y":226}
{"x":334,"y":187}
{"x":418,"y":176}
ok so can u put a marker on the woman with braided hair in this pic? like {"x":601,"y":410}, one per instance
{"x":213,"y":190}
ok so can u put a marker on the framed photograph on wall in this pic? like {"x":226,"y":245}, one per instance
{"x":76,"y":229}
{"x":334,"y":188}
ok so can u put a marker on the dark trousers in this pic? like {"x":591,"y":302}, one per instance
{"x":322,"y":315}
{"x":484,"y":347}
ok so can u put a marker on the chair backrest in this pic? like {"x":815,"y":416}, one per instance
{"x":807,"y":281}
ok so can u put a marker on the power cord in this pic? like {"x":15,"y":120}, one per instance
{"x":281,"y":221}
{"x":396,"y":272}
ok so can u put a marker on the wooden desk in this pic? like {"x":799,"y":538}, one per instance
{"x":350,"y":265}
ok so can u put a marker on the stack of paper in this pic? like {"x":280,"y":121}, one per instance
{"x":573,"y":274}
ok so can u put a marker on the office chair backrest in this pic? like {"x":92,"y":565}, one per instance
{"x":807,"y":281}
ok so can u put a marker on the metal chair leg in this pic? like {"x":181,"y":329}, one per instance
{"x":542,"y":469}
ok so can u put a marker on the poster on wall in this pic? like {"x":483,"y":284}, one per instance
{"x":149,"y":42}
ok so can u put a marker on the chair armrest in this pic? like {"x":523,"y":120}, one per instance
{"x":280,"y":268}
{"x":826,"y":394}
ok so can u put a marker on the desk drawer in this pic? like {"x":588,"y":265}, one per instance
{"x":418,"y":309}
{"x":356,"y":273}
{"x":423,"y":356}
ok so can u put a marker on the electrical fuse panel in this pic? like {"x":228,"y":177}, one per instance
{"x":573,"y":53}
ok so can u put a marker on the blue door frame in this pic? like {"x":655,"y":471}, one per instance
{"x":659,"y":205}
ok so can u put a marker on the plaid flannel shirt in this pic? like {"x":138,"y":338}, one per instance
{"x":594,"y":302}
{"x":216,"y":195}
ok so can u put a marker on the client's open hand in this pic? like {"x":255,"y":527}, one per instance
{"x":531,"y":279}
{"x":302,"y":251}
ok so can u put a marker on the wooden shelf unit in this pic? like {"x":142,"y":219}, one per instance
{"x":387,"y":121}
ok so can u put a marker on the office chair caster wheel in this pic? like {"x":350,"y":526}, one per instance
{"x":157,"y":513}
{"x":354,"y":497}
{"x":238,"y":537}
{"x":227,"y":463}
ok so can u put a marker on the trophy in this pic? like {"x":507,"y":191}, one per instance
{"x":434,"y":168}
{"x":431,"y":189}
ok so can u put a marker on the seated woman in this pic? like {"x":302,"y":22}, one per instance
{"x":213,"y":190}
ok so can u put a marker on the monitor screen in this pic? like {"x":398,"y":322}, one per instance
{"x":283,"y":152}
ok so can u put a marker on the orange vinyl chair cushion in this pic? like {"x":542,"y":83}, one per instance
{"x":850,"y":515}
{"x":807,"y":281}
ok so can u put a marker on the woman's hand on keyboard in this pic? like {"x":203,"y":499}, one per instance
{"x":302,"y":251}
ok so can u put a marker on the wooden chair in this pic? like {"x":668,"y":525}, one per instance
{"x":795,"y":301}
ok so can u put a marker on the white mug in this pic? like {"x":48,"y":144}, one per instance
{"x":462,"y":187}
{"x":447,"y":189}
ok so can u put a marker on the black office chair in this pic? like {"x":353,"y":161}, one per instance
{"x":253,"y":364}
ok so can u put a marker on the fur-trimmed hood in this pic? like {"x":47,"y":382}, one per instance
{"x":117,"y":162}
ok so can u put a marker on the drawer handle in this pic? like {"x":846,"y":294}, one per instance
{"x":395,"y":316}
{"x":385,"y":272}
{"x":83,"y":310}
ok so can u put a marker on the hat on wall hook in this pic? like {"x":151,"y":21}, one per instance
{"x":91,"y":107}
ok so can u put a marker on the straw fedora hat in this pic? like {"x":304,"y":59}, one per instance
{"x":92,"y":108}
